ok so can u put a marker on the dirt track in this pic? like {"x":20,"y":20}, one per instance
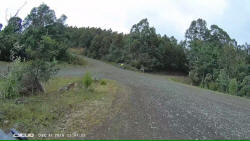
{"x":161,"y":109}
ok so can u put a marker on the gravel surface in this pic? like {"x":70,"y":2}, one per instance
{"x":3,"y":67}
{"x":161,"y":109}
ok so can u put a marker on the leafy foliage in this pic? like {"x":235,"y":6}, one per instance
{"x":25,"y":77}
{"x":41,"y":70}
{"x":233,"y":87}
{"x":215,"y":60}
{"x":103,"y":82}
{"x":87,"y":80}
{"x":36,"y":43}
{"x":141,"y":48}
{"x":40,"y":17}
{"x":245,"y":86}
{"x":212,"y":58}
{"x":11,"y":83}
{"x":40,"y":35}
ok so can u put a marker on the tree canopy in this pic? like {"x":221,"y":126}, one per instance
{"x":215,"y":60}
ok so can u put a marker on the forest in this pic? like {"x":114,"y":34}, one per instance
{"x":208,"y":55}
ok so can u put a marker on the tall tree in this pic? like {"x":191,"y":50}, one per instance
{"x":220,"y":37}
{"x":197,"y":31}
{"x":14,"y":25}
{"x":40,"y":17}
{"x":144,"y":41}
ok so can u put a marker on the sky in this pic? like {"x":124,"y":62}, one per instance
{"x":170,"y":17}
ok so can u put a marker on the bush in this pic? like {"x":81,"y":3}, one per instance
{"x":25,"y":78}
{"x":194,"y":77}
{"x":136,"y":64}
{"x":207,"y":79}
{"x":245,"y":87}
{"x":223,"y":81}
{"x":103,"y":82}
{"x":76,"y":60}
{"x":213,"y":86}
{"x":41,"y":70}
{"x":87,"y":80}
{"x":11,"y":83}
{"x":36,"y":72}
{"x":233,"y":87}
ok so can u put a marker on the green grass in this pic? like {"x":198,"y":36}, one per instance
{"x":46,"y":113}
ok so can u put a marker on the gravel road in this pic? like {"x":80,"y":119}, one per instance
{"x":161,"y":109}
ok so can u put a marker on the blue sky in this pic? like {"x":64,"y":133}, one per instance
{"x":170,"y":17}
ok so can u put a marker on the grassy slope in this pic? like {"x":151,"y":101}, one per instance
{"x":75,"y":111}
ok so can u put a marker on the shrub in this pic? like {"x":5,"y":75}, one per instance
{"x":25,"y":78}
{"x":11,"y":83}
{"x":207,"y":79}
{"x":213,"y":86}
{"x":233,"y":87}
{"x":76,"y":60}
{"x":37,"y":71}
{"x":223,"y":81}
{"x":41,"y":70}
{"x":87,"y":80}
{"x":194,"y":77}
{"x":103,"y":82}
{"x":135,"y":63}
{"x":245,"y":87}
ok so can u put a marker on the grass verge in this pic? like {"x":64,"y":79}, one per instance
{"x":72,"y":112}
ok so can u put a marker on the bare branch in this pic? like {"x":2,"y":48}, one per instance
{"x":18,"y":10}
{"x":6,"y":15}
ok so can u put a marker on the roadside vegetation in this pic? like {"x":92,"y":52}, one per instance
{"x":32,"y":98}
{"x":65,"y":103}
{"x":35,"y":45}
